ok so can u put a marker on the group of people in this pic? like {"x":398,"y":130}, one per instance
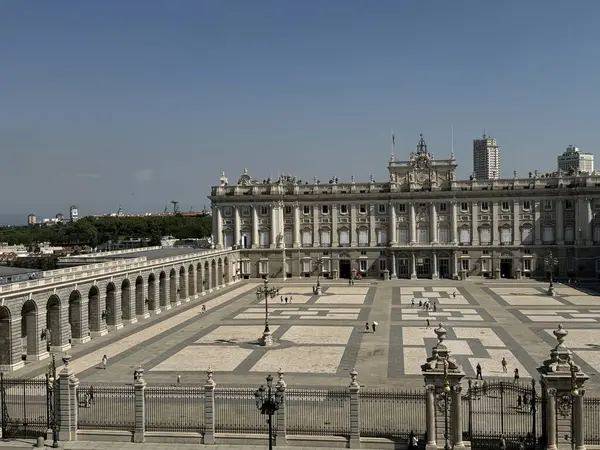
{"x":286,"y":299}
{"x":479,"y":372}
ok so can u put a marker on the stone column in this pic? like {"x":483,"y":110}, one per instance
{"x":413,"y":266}
{"x":474,"y":223}
{"x":209,"y":408}
{"x":84,"y":325}
{"x":139,"y":386}
{"x":393,"y":275}
{"x":430,"y":417}
{"x":455,"y":265}
{"x":516,"y":223}
{"x":218,"y":233}
{"x":65,"y":403}
{"x":560,"y":221}
{"x":495,"y":226}
{"x":280,"y":421}
{"x":296,"y":225}
{"x":393,"y":226}
{"x":61,"y":344}
{"x":255,"y":242}
{"x":454,"y":231}
{"x":237,"y":231}
{"x":353,"y":235}
{"x":562,"y":385}
{"x":272,"y":228}
{"x":434,"y":275}
{"x":183,"y":285}
{"x":443,"y":373}
{"x":354,"y":389}
{"x":372,"y":225}
{"x":537,"y":217}
{"x":589,"y":221}
{"x":412,"y":219}
{"x":334,"y":222}
{"x":434,"y":226}
{"x":315,"y":226}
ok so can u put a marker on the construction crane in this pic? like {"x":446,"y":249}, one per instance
{"x":175,"y":204}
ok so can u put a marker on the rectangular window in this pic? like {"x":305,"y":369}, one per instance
{"x":526,"y":236}
{"x":306,"y":266}
{"x":306,"y":209}
{"x":263,"y":267}
{"x":485,"y":265}
{"x":382,"y":264}
{"x":548,"y":235}
{"x":505,"y":206}
{"x":401,"y":207}
{"x":526,"y":205}
{"x":344,"y":237}
{"x":485,"y":206}
{"x":402,"y":236}
{"x":362,"y":264}
{"x":306,"y":238}
{"x":325,"y":209}
{"x":423,"y":235}
{"x":527,"y":264}
{"x":465,"y":236}
{"x":246,"y":267}
{"x":228,"y":239}
{"x":548,"y":205}
{"x":264,"y":239}
{"x":464,"y":206}
{"x":343,"y":209}
{"x":362,"y":209}
{"x":569,"y":234}
{"x":381,"y":208}
{"x":570,"y":265}
{"x":246,"y":239}
{"x":465,"y":264}
{"x":288,"y":210}
{"x":505,"y":236}
{"x":264,"y":210}
{"x":568,"y":205}
{"x":325,"y":238}
{"x":485,"y":236}
{"x":444,"y":235}
{"x":443,"y":207}
{"x":288,"y":238}
{"x":381,"y":237}
{"x":363,"y":237}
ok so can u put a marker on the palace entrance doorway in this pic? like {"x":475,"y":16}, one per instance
{"x":423,"y":267}
{"x":506,"y":268}
{"x":345,"y":269}
{"x":403,"y":268}
{"x":444,"y":268}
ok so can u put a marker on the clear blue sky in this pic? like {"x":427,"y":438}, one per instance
{"x":142,"y":102}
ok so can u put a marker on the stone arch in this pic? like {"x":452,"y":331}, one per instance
{"x":152,"y":292}
{"x":206,"y":279}
{"x":111,"y":304}
{"x":126,"y":299}
{"x":162,"y":289}
{"x":444,"y":254}
{"x":76,"y":318}
{"x":53,"y":322}
{"x":506,"y":254}
{"x":140,"y":301}
{"x":95,"y":311}
{"x":227,"y":271}
{"x":220,"y":274}
{"x":6,"y":343}
{"x":173,"y":286}
{"x":213,"y":274}
{"x":199,"y":280}
{"x":191,"y":281}
{"x":182,"y":291}
{"x":30,"y":330}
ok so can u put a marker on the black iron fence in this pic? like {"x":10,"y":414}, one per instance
{"x":236,"y":412}
{"x":392,"y":414}
{"x":106,"y":407}
{"x":25,"y":407}
{"x":317,"y":412}
{"x":591,"y":413}
{"x":174,"y":409}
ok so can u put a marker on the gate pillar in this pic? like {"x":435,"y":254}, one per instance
{"x":66,"y":402}
{"x":562,"y":391}
{"x":443,"y":376}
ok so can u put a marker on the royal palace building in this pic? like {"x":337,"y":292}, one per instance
{"x":422,"y":222}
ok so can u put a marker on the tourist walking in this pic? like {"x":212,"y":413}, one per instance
{"x":290,"y":299}
{"x":104,"y":362}
{"x":434,"y":307}
{"x":454,"y":294}
{"x":521,"y":443}
{"x":286,"y":300}
{"x":413,"y":441}
{"x":504,"y":364}
{"x":428,"y":327}
{"x":502,"y":443}
{"x":478,"y":375}
{"x":516,"y":380}
{"x":374,"y":326}
{"x":412,"y":302}
{"x":367,"y":327}
{"x":282,"y":299}
{"x":91,"y":400}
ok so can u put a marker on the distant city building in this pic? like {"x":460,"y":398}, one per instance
{"x":59,"y":217}
{"x":572,"y":160}
{"x":74,"y":213}
{"x":486,"y":158}
{"x":31,"y":219}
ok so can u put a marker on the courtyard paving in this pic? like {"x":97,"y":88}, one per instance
{"x":320,"y":339}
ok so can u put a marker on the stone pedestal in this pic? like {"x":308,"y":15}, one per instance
{"x":139,"y":386}
{"x":443,"y":401}
{"x":562,"y":384}
{"x":266,"y":340}
{"x":335,"y":274}
{"x":551,"y":292}
{"x":386,"y":275}
{"x":209,"y":408}
{"x":65,"y":402}
{"x":497,"y":274}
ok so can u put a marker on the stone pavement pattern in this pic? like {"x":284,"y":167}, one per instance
{"x":319,"y":339}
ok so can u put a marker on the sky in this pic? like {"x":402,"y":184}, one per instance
{"x":137,"y":103}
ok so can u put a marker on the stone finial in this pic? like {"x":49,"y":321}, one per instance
{"x":353,"y":375}
{"x":441,"y":333}
{"x":66,"y":359}
{"x":560,"y":334}
{"x":209,"y":377}
{"x":281,"y":382}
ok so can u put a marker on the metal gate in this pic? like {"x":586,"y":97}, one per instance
{"x":503,"y":408}
{"x":27,"y":407}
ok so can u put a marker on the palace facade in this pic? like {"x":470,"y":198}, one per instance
{"x":422,"y":222}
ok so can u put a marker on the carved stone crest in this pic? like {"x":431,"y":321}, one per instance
{"x":443,"y":402}
{"x":564,"y":405}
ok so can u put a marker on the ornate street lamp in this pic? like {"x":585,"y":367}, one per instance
{"x":574,"y":393}
{"x":266,"y":292}
{"x":446,"y":392}
{"x":51,"y":400}
{"x":550,"y":263}
{"x":268,"y":403}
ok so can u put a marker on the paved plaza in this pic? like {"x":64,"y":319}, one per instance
{"x":319,"y":339}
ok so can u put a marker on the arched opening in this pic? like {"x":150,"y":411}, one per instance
{"x":173,"y":286}
{"x":126,"y":299}
{"x":53,"y":323}
{"x":29,"y":329}
{"x":111,"y":305}
{"x":6,"y":357}
{"x":162,"y":289}
{"x":227,"y":270}
{"x":95,"y":315}
{"x":198,"y":278}
{"x":191,"y":281}
{"x":139,"y":296}
{"x":182,"y":291}
{"x":75,"y":315}
{"x":206,"y":279}
{"x":213,"y":274}
{"x":220,"y":275}
{"x":151,"y":292}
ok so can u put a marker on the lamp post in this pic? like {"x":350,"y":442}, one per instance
{"x":574,"y":393}
{"x":51,"y":399}
{"x":318,"y":266}
{"x":268,"y":403}
{"x":550,"y":262}
{"x":446,"y":392}
{"x":266,"y":292}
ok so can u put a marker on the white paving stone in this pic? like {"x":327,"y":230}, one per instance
{"x":301,"y":360}
{"x":492,"y":367}
{"x":459,"y":348}
{"x":416,"y":335}
{"x":301,"y":334}
{"x":414,"y":358}
{"x":430,"y":294}
{"x":580,"y":339}
{"x":516,"y":290}
{"x":234,"y":333}
{"x":295,"y":290}
{"x":459,"y":300}
{"x":296,"y":299}
{"x":342,"y":299}
{"x":197,"y":358}
{"x":583,"y":300}
{"x":564,"y":290}
{"x":591,"y":357}
{"x":351,"y":290}
{"x":530,"y":300}
{"x":250,"y":316}
{"x":487,"y":336}
{"x":410,"y":290}
{"x":444,"y":289}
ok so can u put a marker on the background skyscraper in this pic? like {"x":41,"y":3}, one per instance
{"x":486,"y":158}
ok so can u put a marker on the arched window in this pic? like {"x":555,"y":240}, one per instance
{"x":526,"y":235}
{"x":363,"y":237}
{"x":382,"y":237}
{"x":485,"y":235}
{"x":443,"y":235}
{"x":402,"y":235}
{"x":505,"y":235}
{"x":325,"y":238}
{"x":306,"y":238}
{"x":465,"y":236}
{"x":344,"y":236}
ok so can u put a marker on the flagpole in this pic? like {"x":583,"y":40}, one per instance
{"x":393,"y":142}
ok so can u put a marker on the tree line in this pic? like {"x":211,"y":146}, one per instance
{"x":94,"y":231}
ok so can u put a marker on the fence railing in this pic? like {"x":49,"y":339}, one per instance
{"x":106,"y":407}
{"x":318,"y":412}
{"x":236,"y":412}
{"x":24,"y":407}
{"x":591,"y":410}
{"x":174,"y":409}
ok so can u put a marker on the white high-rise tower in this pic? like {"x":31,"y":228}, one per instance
{"x":486,"y":158}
